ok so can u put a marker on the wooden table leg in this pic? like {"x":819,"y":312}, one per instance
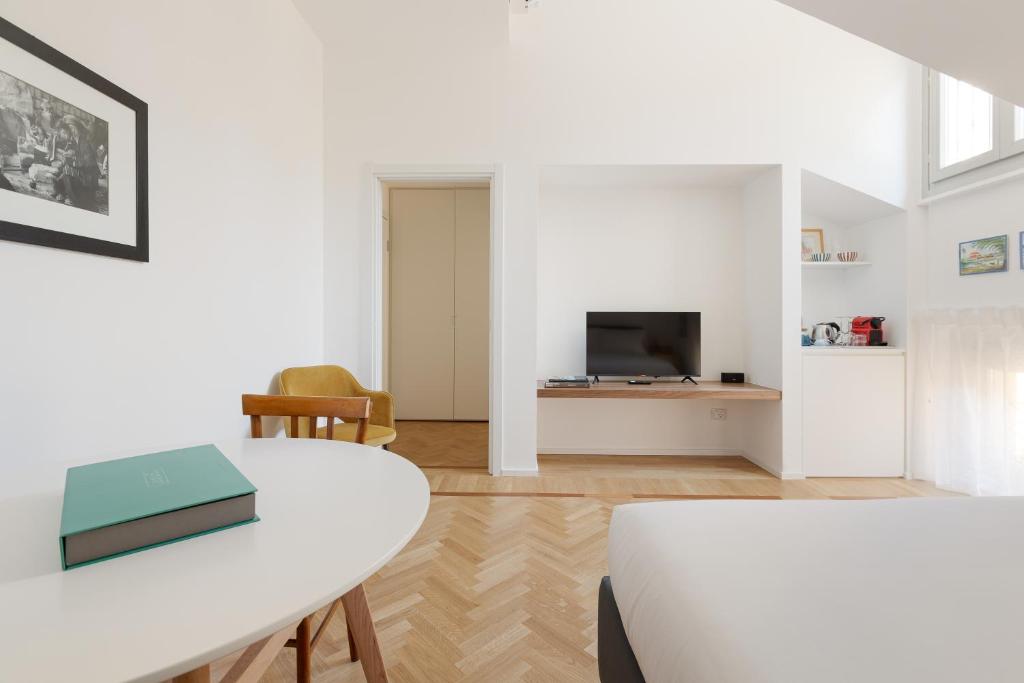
{"x":357,"y":613}
{"x":200,"y":675}
{"x":257,"y":658}
{"x":353,"y":652}
{"x":303,"y":670}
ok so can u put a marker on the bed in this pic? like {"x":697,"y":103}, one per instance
{"x":881,"y":590}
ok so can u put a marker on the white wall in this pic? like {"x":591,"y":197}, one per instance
{"x":878,"y":289}
{"x":881,"y":288}
{"x":935,"y":281}
{"x":631,"y":427}
{"x":762,"y":284}
{"x":641,"y":248}
{"x":825,"y":294}
{"x":765,"y":333}
{"x":638,"y":249}
{"x":103,"y":355}
{"x":582,"y":81}
{"x":995,"y":210}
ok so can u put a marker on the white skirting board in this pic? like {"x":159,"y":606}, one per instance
{"x":772,"y":470}
{"x":586,"y":450}
{"x":681,"y":452}
{"x":519,"y":472}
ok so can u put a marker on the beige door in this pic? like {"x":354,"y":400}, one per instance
{"x":472,"y":302}
{"x":439,"y":303}
{"x":422,"y":307}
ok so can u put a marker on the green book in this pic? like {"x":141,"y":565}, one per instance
{"x":122,"y":506}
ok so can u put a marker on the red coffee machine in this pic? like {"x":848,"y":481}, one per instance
{"x":871,"y":328}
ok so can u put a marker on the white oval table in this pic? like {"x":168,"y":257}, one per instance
{"x":331,"y":515}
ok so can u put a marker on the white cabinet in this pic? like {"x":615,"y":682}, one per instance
{"x":854,"y":410}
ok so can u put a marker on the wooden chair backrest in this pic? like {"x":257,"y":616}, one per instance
{"x":347,"y":408}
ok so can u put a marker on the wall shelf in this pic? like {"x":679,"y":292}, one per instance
{"x":678,"y":390}
{"x":852,"y":351}
{"x":833,"y":265}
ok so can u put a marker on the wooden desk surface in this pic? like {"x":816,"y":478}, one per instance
{"x":671,"y":390}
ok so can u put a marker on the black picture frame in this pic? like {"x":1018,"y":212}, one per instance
{"x":27,"y":234}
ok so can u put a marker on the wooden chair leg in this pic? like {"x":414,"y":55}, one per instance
{"x":303,"y":652}
{"x":357,"y":614}
{"x":353,"y":653}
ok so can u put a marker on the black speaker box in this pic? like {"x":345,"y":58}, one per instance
{"x":732,"y":378}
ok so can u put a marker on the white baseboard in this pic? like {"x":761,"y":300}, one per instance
{"x":519,"y":472}
{"x":670,"y":452}
{"x":774,"y":471}
{"x":736,"y":452}
{"x":640,"y":451}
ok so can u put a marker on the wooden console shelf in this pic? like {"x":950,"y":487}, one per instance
{"x":671,"y":390}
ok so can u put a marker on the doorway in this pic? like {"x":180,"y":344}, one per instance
{"x":435,"y":290}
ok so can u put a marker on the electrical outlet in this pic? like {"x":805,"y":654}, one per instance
{"x":719,"y":414}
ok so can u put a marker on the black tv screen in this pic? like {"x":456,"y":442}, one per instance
{"x":652,"y":344}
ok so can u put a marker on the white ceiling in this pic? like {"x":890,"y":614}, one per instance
{"x":667,"y":175}
{"x":978,"y":41}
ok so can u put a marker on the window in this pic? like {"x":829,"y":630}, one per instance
{"x":969,"y":129}
{"x":965,"y":122}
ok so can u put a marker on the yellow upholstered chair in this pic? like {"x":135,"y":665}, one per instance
{"x":334,"y":380}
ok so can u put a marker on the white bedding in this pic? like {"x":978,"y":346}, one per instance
{"x":793,"y":591}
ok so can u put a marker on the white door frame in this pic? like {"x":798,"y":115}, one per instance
{"x":492,"y":174}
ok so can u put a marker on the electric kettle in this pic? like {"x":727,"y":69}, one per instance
{"x":824,"y":334}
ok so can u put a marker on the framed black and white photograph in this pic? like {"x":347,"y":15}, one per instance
{"x":73,"y":154}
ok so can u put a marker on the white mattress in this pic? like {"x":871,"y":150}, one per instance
{"x":792,"y":591}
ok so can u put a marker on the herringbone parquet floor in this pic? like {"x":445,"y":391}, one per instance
{"x":500,"y":583}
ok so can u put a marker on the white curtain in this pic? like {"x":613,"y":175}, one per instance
{"x":968,"y":400}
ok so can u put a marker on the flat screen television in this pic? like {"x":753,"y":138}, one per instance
{"x":651,"y":344}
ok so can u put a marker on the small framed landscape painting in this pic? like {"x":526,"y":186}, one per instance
{"x":73,"y":158}
{"x":986,"y":255}
{"x":812,"y":241}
